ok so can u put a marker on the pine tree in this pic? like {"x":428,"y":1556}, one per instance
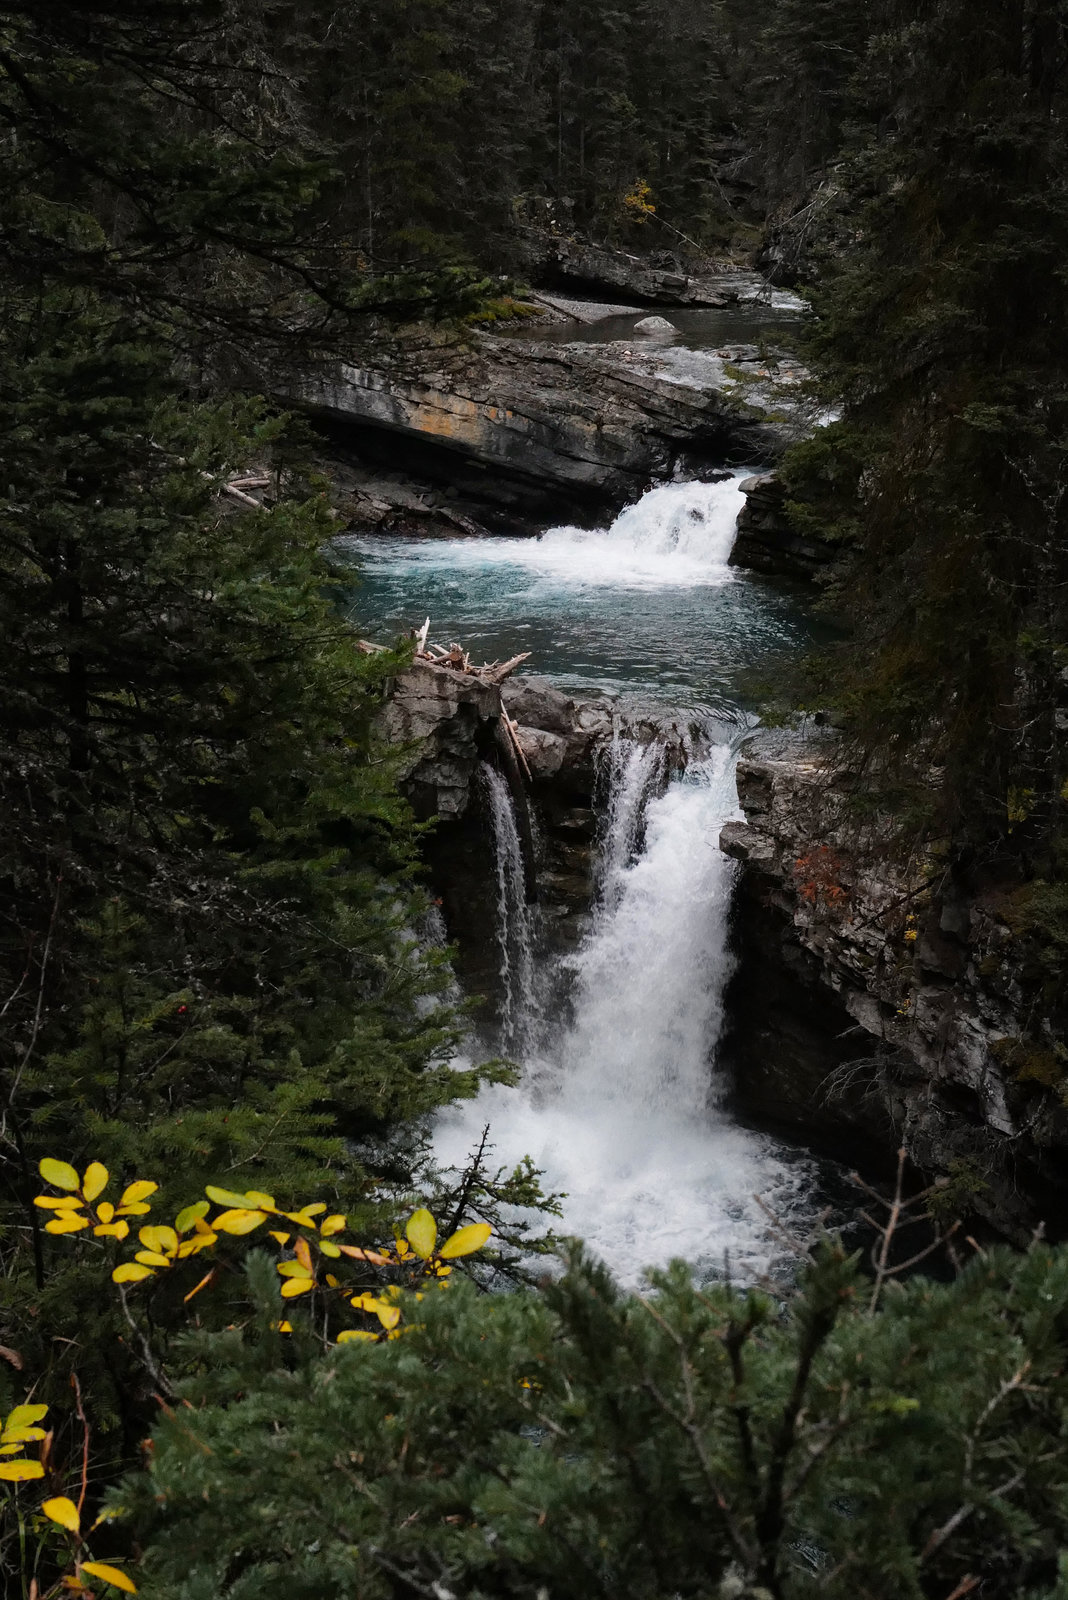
{"x":689,"y":1441}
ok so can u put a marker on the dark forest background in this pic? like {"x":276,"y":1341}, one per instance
{"x":210,"y":897}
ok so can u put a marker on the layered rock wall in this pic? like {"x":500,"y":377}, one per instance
{"x":877,"y":1004}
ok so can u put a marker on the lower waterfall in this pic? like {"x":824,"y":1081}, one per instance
{"x":619,"y":1103}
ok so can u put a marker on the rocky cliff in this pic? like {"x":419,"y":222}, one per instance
{"x":527,"y":429}
{"x":447,"y":724}
{"x":879,"y":1003}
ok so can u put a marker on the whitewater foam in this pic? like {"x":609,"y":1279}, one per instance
{"x":620,"y":1111}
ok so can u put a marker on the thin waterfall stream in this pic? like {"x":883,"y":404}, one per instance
{"x":621,"y":1102}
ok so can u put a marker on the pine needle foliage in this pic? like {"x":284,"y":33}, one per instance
{"x":941,"y":327}
{"x":690,"y":1441}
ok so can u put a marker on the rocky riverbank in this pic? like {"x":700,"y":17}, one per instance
{"x":879,"y":1003}
{"x":523,"y":431}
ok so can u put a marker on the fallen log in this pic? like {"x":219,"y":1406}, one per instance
{"x":497,"y":674}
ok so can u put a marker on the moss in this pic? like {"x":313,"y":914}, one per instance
{"x":1029,"y":1061}
{"x":956,"y":1192}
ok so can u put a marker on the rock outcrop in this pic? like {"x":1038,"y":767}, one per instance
{"x":876,"y":1005}
{"x":448,"y":724}
{"x":566,"y":258}
{"x":529,"y":428}
{"x":766,"y":542}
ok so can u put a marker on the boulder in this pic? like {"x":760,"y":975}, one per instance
{"x":654,"y":327}
{"x":440,"y":717}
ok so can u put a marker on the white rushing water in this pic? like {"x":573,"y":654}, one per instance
{"x":676,"y":535}
{"x":679,"y":533}
{"x":516,"y":922}
{"x":620,"y":1108}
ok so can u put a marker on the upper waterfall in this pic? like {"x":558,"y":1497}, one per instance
{"x":677,"y":533}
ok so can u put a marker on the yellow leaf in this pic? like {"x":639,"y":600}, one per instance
{"x":112,"y":1230}
{"x":355,"y":1333}
{"x":292,"y":1269}
{"x":13,"y":1437}
{"x":20,"y":1471}
{"x":95,"y":1180}
{"x":60,"y":1174}
{"x":403,"y":1248}
{"x":186,"y":1219}
{"x":388,"y":1316}
{"x":331,"y":1225}
{"x":422,"y":1232}
{"x":238,"y":1221}
{"x":285,"y":1327}
{"x":262,"y":1201}
{"x":63,"y":1511}
{"x":356,"y":1254}
{"x":128,"y":1273}
{"x":295,"y":1286}
{"x":331,"y":1280}
{"x":67,"y":1222}
{"x":283,"y":1238}
{"x":152,"y":1258}
{"x":22,"y":1416}
{"x":159,"y":1238}
{"x":133,"y":1211}
{"x":134,"y":1193}
{"x":199,"y":1241}
{"x":465,"y":1241}
{"x":303,"y":1254}
{"x":105,"y":1211}
{"x":59,"y":1202}
{"x":109,"y":1514}
{"x":306,"y":1215}
{"x":100,"y":1569}
{"x":226,"y":1197}
{"x":329,"y":1248}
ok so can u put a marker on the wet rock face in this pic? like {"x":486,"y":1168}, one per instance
{"x":873,"y":1010}
{"x":446,"y":719}
{"x":560,"y":736}
{"x":766,"y":542}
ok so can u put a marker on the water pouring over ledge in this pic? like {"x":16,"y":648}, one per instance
{"x":648,"y":607}
{"x":619,"y":1103}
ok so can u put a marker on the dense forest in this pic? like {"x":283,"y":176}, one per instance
{"x":212,"y":902}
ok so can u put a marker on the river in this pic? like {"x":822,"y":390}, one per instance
{"x":621,"y":1102}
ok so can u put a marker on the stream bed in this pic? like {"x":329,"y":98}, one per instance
{"x":621,"y":1103}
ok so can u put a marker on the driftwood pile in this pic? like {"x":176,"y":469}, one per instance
{"x":456,"y":659}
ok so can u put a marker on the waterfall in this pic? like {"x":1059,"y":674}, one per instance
{"x":632,"y":774}
{"x":652,"y":971}
{"x":516,"y":920}
{"x":678,"y":533}
{"x":620,"y":1104}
